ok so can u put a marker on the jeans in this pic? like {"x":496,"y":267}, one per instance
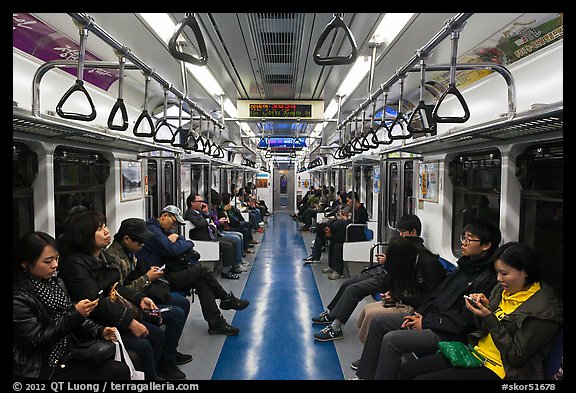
{"x":174,"y":321}
{"x":236,"y":239}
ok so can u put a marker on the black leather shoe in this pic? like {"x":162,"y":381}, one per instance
{"x":182,"y":358}
{"x":233,"y":303}
{"x":230,"y":276}
{"x":171,"y":373}
{"x":223,"y":328}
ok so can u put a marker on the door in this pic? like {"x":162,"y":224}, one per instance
{"x":161,"y":185}
{"x":283,"y":189}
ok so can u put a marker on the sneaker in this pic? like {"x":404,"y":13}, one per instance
{"x":229,"y":275}
{"x":335,"y":275}
{"x":355,"y":364}
{"x":328,"y":334}
{"x":328,"y":270}
{"x":223,"y":327}
{"x":245,"y":263}
{"x":322,"y":319}
{"x":310,"y":259}
{"x":182,"y":358}
{"x":233,"y":303}
{"x":238,"y":269}
{"x":171,"y":373}
{"x":260,"y":230}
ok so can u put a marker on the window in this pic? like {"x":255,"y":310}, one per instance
{"x":24,"y":170}
{"x":79,"y":179}
{"x":540,"y":172}
{"x":476,"y":178}
{"x":393,"y":191}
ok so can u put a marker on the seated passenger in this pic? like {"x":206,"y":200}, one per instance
{"x":45,"y":323}
{"x":336,"y":232}
{"x":515,"y":326}
{"x":185,"y":273}
{"x":235,"y":222}
{"x":139,"y":276}
{"x":197,"y":213}
{"x":88,"y":269}
{"x":407,"y":270}
{"x":409,"y":226}
{"x":444,"y":317}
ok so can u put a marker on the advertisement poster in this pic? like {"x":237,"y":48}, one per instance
{"x":428,"y":182}
{"x":131,"y":180}
{"x":376,"y":180}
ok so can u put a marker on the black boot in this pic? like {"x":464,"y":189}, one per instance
{"x":233,"y":303}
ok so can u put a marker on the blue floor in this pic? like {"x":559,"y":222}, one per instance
{"x":276,"y":334}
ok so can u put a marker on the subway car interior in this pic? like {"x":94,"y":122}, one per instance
{"x":446,"y":116}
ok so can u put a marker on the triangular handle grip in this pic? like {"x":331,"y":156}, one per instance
{"x":119,"y":105}
{"x":182,"y":141}
{"x":144,"y":116}
{"x":449,"y":119}
{"x":190,"y":21}
{"x":426,"y":117}
{"x":398,"y":121}
{"x":78,"y":86}
{"x":336,"y":22}
{"x":159,"y":124}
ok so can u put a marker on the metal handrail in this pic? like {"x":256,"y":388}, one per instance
{"x":451,"y":24}
{"x":88,"y":22}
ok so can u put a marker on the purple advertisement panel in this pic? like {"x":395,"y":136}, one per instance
{"x":36,"y":38}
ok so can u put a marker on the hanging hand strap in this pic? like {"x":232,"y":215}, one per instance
{"x":144,"y":115}
{"x":190,"y":21}
{"x":452,"y":87}
{"x":336,"y":22}
{"x":119,"y":105}
{"x":78,"y":86}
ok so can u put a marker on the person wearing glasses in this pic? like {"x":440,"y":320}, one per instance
{"x":139,"y":276}
{"x":515,"y":326}
{"x":183,"y":271}
{"x":444,"y":317}
{"x":204,"y":229}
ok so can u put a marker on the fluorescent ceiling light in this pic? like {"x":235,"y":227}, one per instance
{"x":355,"y":75}
{"x":390,"y":26}
{"x":331,"y":109}
{"x":230,"y":108}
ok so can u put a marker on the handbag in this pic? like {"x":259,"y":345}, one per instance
{"x":459,"y":354}
{"x":121,"y":352}
{"x":93,"y":352}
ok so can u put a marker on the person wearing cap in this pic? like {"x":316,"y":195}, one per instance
{"x":139,"y":276}
{"x":184,"y":272}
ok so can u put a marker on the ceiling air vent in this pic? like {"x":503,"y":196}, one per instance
{"x":277,"y":39}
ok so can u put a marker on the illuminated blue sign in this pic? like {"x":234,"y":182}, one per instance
{"x":282,"y":143}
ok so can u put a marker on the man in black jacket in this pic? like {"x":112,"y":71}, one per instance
{"x":443,"y":318}
{"x":374,"y":280}
{"x":197,"y":213}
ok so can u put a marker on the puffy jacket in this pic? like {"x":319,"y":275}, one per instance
{"x":523,"y":337}
{"x":158,"y":249}
{"x":445,"y":313}
{"x":34,"y":329}
{"x":85,"y":275}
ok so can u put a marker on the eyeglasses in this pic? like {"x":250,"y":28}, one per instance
{"x":466,"y":240}
{"x":200,"y":201}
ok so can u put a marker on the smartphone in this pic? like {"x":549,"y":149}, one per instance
{"x":164,"y":309}
{"x":469,"y":298}
{"x":161,"y":268}
{"x":100,"y":292}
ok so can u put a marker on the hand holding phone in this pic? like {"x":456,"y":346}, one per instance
{"x":98,"y":294}
{"x":474,"y":302}
{"x":161,"y":268}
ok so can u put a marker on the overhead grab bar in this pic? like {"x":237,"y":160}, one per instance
{"x":173,"y":45}
{"x":144,"y":115}
{"x":336,"y":22}
{"x":87,"y":22}
{"x":119,"y":105}
{"x":422,"y":111}
{"x":452,"y":85}
{"x":452,"y":23}
{"x":78,"y":86}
